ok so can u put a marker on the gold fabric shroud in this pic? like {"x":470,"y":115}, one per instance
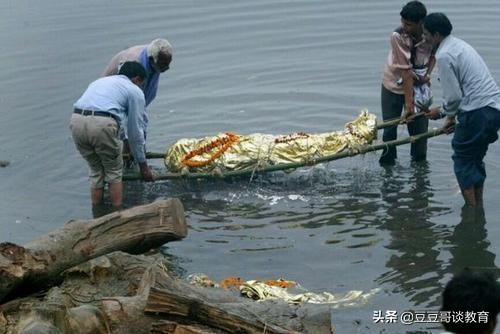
{"x":228,"y":152}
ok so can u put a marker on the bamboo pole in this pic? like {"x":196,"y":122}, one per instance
{"x":304,"y":163}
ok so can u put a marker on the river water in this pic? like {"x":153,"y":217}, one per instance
{"x":274,"y":67}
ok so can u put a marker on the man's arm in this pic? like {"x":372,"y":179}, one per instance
{"x":112,"y":68}
{"x":136,"y":139}
{"x":401,"y":55}
{"x":408,"y":81}
{"x":452,"y":93}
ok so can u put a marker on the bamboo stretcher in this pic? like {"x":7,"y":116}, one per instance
{"x":288,"y":166}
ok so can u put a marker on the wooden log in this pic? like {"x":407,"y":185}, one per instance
{"x":150,"y":301}
{"x":221,"y":310}
{"x":53,"y":318}
{"x":40,"y":263}
{"x":161,"y":301}
{"x":171,"y":327}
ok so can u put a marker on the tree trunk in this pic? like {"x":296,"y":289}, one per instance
{"x":133,"y":294}
{"x":222,"y":310}
{"x":40,"y":263}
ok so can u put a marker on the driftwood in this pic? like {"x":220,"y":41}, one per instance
{"x":233,"y":314}
{"x":128,"y":294}
{"x":122,"y":293}
{"x":39,"y":263}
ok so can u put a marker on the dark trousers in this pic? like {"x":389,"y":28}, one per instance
{"x":392,"y":107}
{"x":474,"y":132}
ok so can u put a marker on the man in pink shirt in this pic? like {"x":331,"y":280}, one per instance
{"x":409,"y":64}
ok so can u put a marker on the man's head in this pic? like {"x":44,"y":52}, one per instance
{"x":472,"y":292}
{"x":134,"y":71}
{"x":160,"y":54}
{"x":412,"y":15}
{"x":436,"y":27}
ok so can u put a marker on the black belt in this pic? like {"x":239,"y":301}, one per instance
{"x":96,"y":113}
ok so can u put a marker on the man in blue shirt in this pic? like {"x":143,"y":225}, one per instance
{"x":471,"y":96}
{"x":106,"y":105}
{"x":154,"y":57}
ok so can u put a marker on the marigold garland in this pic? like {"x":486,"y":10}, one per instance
{"x":224,"y":143}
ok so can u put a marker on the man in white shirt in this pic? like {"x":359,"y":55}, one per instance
{"x":472,"y":97}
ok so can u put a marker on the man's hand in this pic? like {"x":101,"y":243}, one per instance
{"x":146,"y":173}
{"x":422,"y":79}
{"x":408,"y":114}
{"x":128,"y":159}
{"x":433,"y":113}
{"x":449,"y":125}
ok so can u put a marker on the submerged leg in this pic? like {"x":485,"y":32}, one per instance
{"x":469,"y":195}
{"x":96,"y":195}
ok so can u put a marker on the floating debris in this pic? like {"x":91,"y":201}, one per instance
{"x":278,"y":289}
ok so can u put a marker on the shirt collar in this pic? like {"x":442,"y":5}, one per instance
{"x":443,"y":42}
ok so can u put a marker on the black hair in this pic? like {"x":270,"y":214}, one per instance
{"x":133,"y":69}
{"x":413,"y":11}
{"x":471,"y":291}
{"x":438,"y":23}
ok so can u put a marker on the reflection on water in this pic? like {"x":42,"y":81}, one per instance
{"x":414,"y":239}
{"x":469,"y":243}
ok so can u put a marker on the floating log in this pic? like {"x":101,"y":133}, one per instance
{"x":40,"y":263}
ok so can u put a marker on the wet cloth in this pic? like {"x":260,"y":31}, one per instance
{"x":422,"y":94}
{"x":261,"y":291}
{"x":288,"y":291}
{"x":230,"y":152}
{"x":474,"y":131}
